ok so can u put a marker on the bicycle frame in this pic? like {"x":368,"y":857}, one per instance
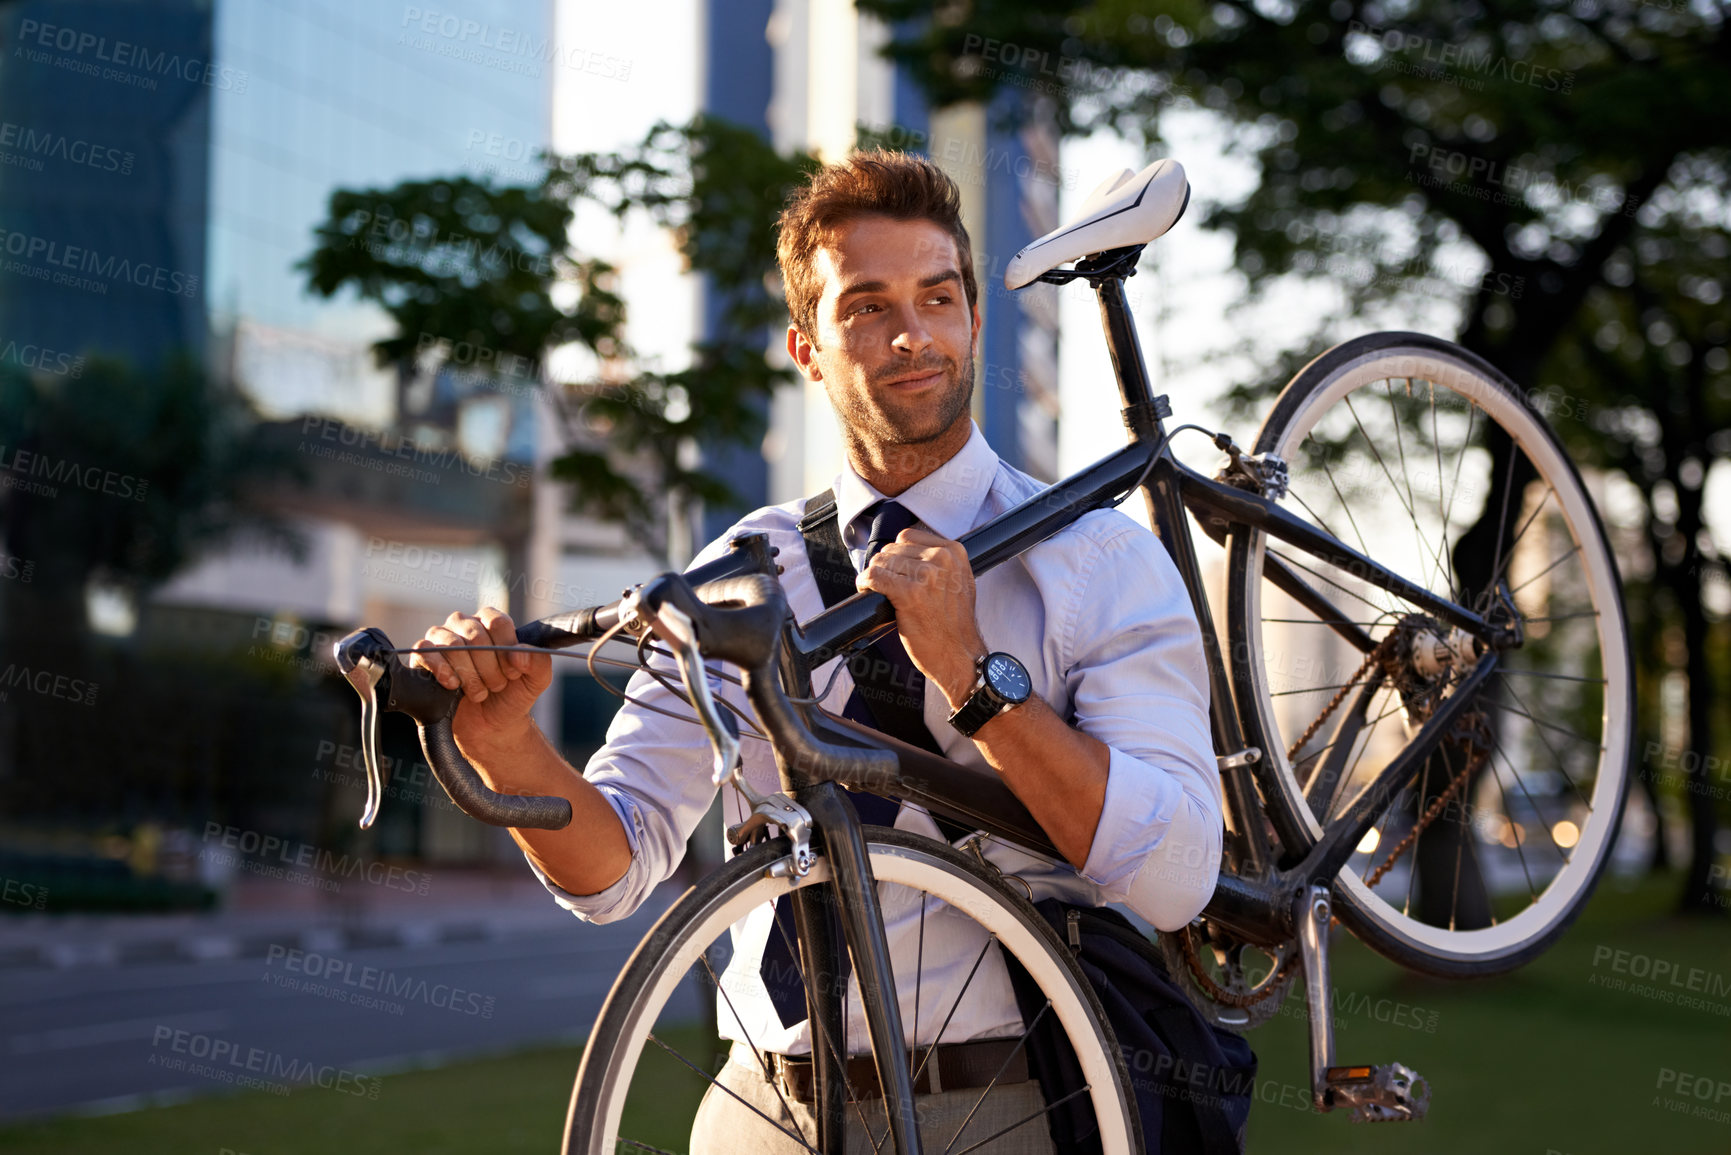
{"x":1267,"y":888}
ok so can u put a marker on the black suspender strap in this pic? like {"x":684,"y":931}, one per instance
{"x":825,"y":551}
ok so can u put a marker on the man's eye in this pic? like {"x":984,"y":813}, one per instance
{"x":940,"y":299}
{"x":864,"y":309}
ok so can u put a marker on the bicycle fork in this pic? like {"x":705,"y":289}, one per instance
{"x":862,"y":921}
{"x":1383,"y":1093}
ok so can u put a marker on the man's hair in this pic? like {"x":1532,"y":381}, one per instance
{"x":877,"y":182}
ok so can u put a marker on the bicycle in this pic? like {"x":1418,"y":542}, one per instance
{"x":1465,"y":684}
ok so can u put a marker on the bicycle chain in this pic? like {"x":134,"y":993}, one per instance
{"x":1376,"y":655}
{"x":1219,"y":993}
{"x":1476,"y":727}
{"x":1186,"y":939}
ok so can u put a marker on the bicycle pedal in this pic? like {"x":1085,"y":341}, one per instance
{"x":1386,"y":1093}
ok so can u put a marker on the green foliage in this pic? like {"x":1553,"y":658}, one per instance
{"x":459,"y":260}
{"x":139,"y":470}
{"x":1556,"y":170}
{"x":1558,"y":116}
{"x":719,"y":188}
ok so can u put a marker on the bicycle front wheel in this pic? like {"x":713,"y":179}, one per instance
{"x":653,"y":1052}
{"x":1426,"y":459}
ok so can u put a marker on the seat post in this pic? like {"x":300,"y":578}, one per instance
{"x":1134,"y":387}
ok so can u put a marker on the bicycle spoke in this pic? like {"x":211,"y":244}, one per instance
{"x":1455,"y":891}
{"x":1559,"y":617}
{"x":1550,"y":491}
{"x":1351,"y":772}
{"x":1572,"y":551}
{"x":746,"y":1031}
{"x":820,"y":1028}
{"x":1503,"y":514}
{"x":1322,"y":577}
{"x":1345,"y":508}
{"x":967,"y":982}
{"x":634,"y":1144}
{"x":1311,"y":690}
{"x":1543,"y":674}
{"x":919,"y":981}
{"x":1393,"y":484}
{"x":1515,"y":827}
{"x":1531,"y":801}
{"x":714,"y":1082}
{"x":1575,"y":734}
{"x":1460,"y":460}
{"x":1405,"y":470}
{"x":1561,"y":767}
{"x":1002,"y":1067}
{"x":933,"y":1049}
{"x":1315,"y":516}
{"x":1436,"y":443}
{"x":1046,"y":1110}
{"x":1412,"y":872}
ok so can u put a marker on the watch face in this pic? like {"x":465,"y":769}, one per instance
{"x":1007,"y":678}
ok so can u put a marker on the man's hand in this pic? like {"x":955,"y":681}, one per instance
{"x":498,"y":688}
{"x":929,"y":581}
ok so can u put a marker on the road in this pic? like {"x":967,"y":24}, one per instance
{"x":112,"y":1038}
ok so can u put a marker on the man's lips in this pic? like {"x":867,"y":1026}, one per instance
{"x":923,"y":381}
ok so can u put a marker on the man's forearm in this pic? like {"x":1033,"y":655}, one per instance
{"x":1057,"y":771}
{"x":587,"y":856}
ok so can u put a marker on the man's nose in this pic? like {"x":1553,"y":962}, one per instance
{"x":912,"y":336}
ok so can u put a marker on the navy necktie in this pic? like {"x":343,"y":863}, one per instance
{"x":779,"y":968}
{"x":888,"y":519}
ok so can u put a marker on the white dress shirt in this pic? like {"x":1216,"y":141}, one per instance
{"x":1100,"y":618}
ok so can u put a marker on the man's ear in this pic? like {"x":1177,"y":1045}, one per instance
{"x":803,"y":354}
{"x":974,"y":337}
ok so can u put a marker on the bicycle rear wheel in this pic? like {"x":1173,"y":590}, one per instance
{"x":1491,"y":849}
{"x":624,"y":1097}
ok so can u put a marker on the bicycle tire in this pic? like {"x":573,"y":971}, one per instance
{"x":709,"y":909}
{"x":1310,"y":421}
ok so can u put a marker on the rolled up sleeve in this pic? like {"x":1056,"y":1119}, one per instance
{"x":1138,"y":683}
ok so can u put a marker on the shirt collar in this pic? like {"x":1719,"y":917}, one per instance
{"x":948,"y":499}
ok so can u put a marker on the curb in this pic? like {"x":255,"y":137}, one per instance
{"x":206,"y":945}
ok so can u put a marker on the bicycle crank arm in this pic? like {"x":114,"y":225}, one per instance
{"x":1384,"y":1093}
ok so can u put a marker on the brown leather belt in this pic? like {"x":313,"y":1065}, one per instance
{"x":954,"y":1067}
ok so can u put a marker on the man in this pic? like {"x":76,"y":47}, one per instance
{"x":1110,"y":752}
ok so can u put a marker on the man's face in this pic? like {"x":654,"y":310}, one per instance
{"x":895,"y":334}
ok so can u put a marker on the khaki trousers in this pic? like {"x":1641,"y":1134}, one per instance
{"x":727,"y":1126}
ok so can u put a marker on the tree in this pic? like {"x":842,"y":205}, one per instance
{"x":1397,"y":140}
{"x":120,"y":476}
{"x":457,"y":261}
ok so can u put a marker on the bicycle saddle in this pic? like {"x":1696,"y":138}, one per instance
{"x":1131,"y":208}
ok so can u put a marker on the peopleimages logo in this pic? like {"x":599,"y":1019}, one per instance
{"x":25,"y":463}
{"x":34,"y":37}
{"x":29,"y":355}
{"x":288,"y":853}
{"x":32,"y":144}
{"x":79,"y":259}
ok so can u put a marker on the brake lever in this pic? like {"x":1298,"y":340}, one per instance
{"x":364,"y":671}
{"x":680,"y":633}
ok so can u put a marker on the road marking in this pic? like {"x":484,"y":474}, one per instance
{"x":97,"y":1034}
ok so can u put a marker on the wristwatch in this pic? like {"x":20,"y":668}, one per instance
{"x":1001,"y":683}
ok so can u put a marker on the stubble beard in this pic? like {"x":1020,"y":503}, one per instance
{"x":918,"y":422}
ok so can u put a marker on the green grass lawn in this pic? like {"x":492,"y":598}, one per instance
{"x":1543,"y":1060}
{"x":1547,"y":1059}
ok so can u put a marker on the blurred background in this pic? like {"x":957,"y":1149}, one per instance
{"x":320,"y":315}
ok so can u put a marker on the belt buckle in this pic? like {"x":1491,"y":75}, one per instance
{"x":777,"y":1066}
